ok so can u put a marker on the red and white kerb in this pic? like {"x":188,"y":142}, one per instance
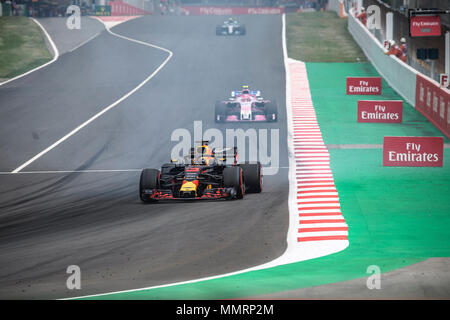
{"x":319,"y":211}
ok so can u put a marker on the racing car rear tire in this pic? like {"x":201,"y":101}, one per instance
{"x":252,"y":176}
{"x":221,"y":112}
{"x":149,"y":180}
{"x":243,"y":31}
{"x":218,"y":31}
{"x":233,"y":178}
{"x":271,"y":110}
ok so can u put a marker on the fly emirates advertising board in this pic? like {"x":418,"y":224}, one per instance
{"x":363,"y":85}
{"x":381,"y":111}
{"x":413,"y":151}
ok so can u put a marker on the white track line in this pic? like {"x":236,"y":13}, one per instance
{"x":55,"y":56}
{"x":71,"y":133}
{"x":84,"y":42}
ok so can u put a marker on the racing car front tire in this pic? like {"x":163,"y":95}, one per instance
{"x":221,"y":112}
{"x":271,"y":110}
{"x":233,"y":178}
{"x":252,"y":176}
{"x":149,"y":180}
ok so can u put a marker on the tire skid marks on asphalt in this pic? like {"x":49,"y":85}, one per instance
{"x":317,"y":204}
{"x":311,"y":245}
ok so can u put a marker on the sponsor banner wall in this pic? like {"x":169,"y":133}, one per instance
{"x":119,"y":8}
{"x":230,"y":10}
{"x":413,"y":151}
{"x":434,"y":103}
{"x":364,"y":85}
{"x":381,"y":111}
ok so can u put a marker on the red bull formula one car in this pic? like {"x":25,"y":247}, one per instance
{"x":246,"y":105}
{"x":205,"y":174}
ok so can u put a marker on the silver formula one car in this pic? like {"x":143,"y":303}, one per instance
{"x":230,"y":27}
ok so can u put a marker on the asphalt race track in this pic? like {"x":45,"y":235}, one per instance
{"x":95,"y":220}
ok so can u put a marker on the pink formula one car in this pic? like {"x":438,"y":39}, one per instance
{"x":246,"y":105}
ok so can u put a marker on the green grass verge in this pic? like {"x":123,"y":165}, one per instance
{"x":22,"y":46}
{"x":320,"y":37}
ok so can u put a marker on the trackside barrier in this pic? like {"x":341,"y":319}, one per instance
{"x":420,"y":91}
{"x":193,"y":10}
{"x":398,"y":74}
{"x":434,"y":103}
{"x":119,"y":8}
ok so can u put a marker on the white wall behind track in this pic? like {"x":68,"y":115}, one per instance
{"x":398,"y":74}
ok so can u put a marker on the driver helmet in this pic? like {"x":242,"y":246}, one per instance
{"x":203,"y":155}
{"x":245,"y":90}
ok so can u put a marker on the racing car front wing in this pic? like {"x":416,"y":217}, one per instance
{"x":215,"y":193}
{"x":257,"y":118}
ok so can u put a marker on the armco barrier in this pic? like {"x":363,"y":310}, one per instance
{"x":192,"y":10}
{"x":420,"y":91}
{"x":119,"y":8}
